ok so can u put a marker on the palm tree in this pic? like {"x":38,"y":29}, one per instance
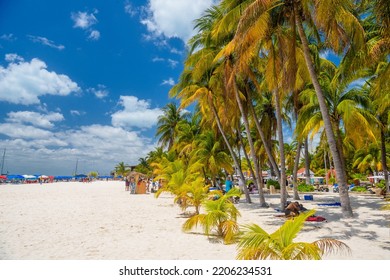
{"x":121,"y":169}
{"x":201,"y":81}
{"x":255,"y":243}
{"x":348,"y":109}
{"x":259,"y":19}
{"x":211,"y":154}
{"x":167,"y":124}
{"x":221,"y":216}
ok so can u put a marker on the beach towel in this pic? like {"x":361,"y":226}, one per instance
{"x":316,"y":219}
{"x":330,"y":204}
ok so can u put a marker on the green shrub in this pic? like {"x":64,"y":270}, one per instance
{"x":381,"y":184}
{"x":275,"y":183}
{"x":305,"y":188}
{"x":358,"y":189}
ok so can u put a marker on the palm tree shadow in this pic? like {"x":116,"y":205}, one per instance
{"x":212,"y":238}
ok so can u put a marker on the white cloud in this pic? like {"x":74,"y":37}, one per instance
{"x":136,"y":113}
{"x":34,"y":118}
{"x":101,"y":92}
{"x":171,"y":62}
{"x":94,"y":35}
{"x":12,"y":57}
{"x":77,"y":113}
{"x":169,"y":82}
{"x":8,"y":37}
{"x":174,"y":18}
{"x":46,"y":42}
{"x":83,"y":20}
{"x":95,"y":147}
{"x":22,"y":131}
{"x":86,"y":21}
{"x":24,"y":82}
{"x":129,"y":9}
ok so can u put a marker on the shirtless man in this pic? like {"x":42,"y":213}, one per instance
{"x":292,"y":209}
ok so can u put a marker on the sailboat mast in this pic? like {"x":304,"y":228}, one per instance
{"x":77,"y":162}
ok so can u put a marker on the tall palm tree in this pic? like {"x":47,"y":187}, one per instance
{"x":201,"y":81}
{"x":340,"y":32}
{"x":348,"y":109}
{"x":121,"y":169}
{"x":167,"y":124}
{"x":255,"y":243}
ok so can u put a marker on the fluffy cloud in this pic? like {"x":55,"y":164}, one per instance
{"x":95,"y":147}
{"x":24,"y":82}
{"x":85,"y":21}
{"x":22,"y":131}
{"x":100,"y":92}
{"x":136,"y":113}
{"x":174,"y":18}
{"x":34,"y":118}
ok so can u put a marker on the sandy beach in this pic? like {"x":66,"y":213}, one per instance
{"x":100,"y":221}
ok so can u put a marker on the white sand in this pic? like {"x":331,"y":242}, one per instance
{"x":99,"y":220}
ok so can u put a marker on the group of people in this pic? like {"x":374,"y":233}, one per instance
{"x":150,"y":185}
{"x":130,"y":184}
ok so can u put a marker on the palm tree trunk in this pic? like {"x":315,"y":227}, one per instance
{"x":282,"y":181}
{"x":250,"y":141}
{"x":295,"y":171}
{"x":307,"y":162}
{"x":214,"y":110}
{"x":340,"y":169}
{"x":266,"y":145}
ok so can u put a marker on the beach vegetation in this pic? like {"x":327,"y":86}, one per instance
{"x":256,"y":67}
{"x":122,"y":169}
{"x":303,"y":187}
{"x":220,"y":217}
{"x":93,"y":174}
{"x":256,"y":244}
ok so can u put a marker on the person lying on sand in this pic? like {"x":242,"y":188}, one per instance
{"x":292,"y":209}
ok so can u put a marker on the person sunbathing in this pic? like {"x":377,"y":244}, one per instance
{"x":292,"y":209}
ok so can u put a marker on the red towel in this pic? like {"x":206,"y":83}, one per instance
{"x":316,"y":219}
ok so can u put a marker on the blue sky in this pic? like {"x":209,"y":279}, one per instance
{"x":86,"y":80}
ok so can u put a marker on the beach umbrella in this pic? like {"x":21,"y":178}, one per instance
{"x":3,"y":177}
{"x":29,"y":176}
{"x":15,"y":177}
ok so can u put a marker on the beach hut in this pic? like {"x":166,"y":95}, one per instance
{"x":301,"y":172}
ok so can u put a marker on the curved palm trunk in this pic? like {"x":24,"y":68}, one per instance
{"x":282,"y":181}
{"x":340,"y":169}
{"x":267,"y":147}
{"x":247,"y":196}
{"x":295,"y":171}
{"x":307,"y":162}
{"x":251,"y":146}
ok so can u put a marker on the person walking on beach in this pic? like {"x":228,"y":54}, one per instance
{"x":127,"y":184}
{"x":228,"y":184}
{"x":132,"y":185}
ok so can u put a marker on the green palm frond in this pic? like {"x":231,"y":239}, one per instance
{"x":255,"y":243}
